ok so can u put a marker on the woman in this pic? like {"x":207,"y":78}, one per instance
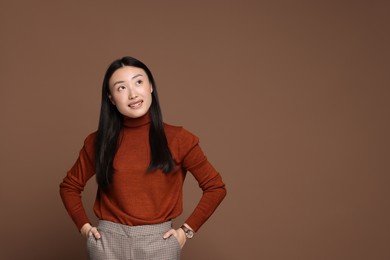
{"x":140,"y":165}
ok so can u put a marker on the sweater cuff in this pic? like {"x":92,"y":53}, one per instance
{"x":193,"y":223}
{"x":80,"y":219}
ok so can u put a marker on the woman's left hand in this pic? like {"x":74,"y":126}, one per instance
{"x":178,"y":234}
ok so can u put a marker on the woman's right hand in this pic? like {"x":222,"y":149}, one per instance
{"x":87,"y":230}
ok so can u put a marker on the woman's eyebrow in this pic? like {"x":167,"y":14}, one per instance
{"x":118,"y":82}
{"x":136,"y":76}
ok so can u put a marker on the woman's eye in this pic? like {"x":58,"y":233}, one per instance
{"x":139,"y":82}
{"x":121,"y":88}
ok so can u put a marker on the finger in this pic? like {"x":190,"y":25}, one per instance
{"x":89,"y":232}
{"x":169,"y":233}
{"x":95,"y":233}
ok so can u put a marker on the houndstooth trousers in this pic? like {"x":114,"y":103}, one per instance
{"x":122,"y":242}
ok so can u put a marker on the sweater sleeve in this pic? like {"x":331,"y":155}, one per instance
{"x":209,"y":180}
{"x":74,"y":182}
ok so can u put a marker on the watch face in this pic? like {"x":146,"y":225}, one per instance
{"x":189,"y":233}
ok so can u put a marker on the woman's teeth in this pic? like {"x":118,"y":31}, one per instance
{"x":136,"y":105}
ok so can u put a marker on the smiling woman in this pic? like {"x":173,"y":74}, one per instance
{"x":140,"y":165}
{"x":130,"y":91}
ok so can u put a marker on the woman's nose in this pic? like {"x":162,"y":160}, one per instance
{"x":132,"y":94}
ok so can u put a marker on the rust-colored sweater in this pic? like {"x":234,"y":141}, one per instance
{"x":137,"y":197}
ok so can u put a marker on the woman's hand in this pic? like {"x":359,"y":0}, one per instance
{"x":87,"y":230}
{"x":178,"y":234}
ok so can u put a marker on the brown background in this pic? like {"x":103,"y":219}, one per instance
{"x":290,"y":100}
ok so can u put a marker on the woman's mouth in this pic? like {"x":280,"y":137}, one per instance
{"x":136,"y":104}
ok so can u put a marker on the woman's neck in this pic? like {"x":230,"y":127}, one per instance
{"x":136,"y":122}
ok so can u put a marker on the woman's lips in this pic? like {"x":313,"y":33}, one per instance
{"x":136,"y":104}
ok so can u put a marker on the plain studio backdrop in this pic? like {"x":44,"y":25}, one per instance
{"x":290,"y":100}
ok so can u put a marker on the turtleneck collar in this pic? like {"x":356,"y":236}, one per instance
{"x":136,"y":122}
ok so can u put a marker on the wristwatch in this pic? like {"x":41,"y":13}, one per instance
{"x":189,"y":233}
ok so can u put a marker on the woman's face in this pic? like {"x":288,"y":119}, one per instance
{"x":131,"y":91}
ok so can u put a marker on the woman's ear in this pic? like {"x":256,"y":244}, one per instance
{"x":151,"y":89}
{"x":111,"y":99}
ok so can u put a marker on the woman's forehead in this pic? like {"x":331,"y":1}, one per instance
{"x":126,"y":73}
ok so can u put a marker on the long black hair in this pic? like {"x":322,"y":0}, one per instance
{"x":110,"y":126}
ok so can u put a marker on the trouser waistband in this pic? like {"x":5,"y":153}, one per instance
{"x":129,"y":231}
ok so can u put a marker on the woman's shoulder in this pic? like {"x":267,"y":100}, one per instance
{"x":91,"y":136}
{"x":89,"y":140}
{"x":172,"y":129}
{"x":179,"y":133}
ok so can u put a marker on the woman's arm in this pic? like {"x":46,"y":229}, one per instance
{"x":73,"y":184}
{"x":209,"y":180}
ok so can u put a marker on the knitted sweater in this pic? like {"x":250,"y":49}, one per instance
{"x":137,"y":197}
